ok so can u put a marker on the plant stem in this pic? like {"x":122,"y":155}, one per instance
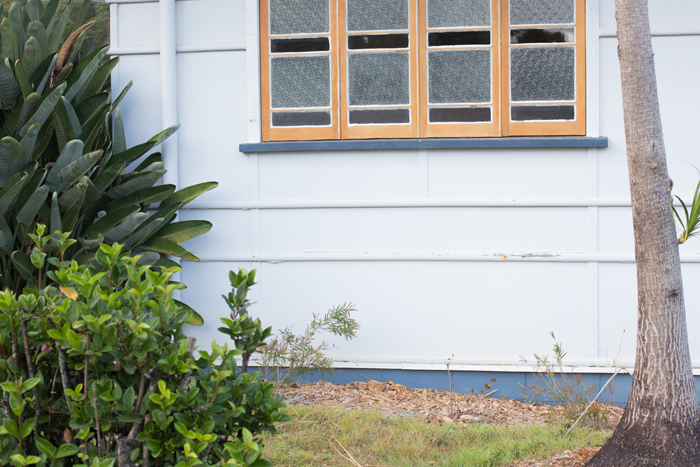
{"x":97,"y":420}
{"x":32,"y":374}
{"x":64,"y":373}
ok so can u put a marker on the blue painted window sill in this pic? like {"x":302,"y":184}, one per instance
{"x":433,"y":143}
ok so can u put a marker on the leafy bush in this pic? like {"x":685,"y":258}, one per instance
{"x":96,"y":370}
{"x":287,"y":357}
{"x":63,"y":153}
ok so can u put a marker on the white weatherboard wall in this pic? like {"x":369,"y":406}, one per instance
{"x":476,"y":253}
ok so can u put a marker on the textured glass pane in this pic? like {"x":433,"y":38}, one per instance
{"x":459,"y":76}
{"x":380,"y":116}
{"x":299,"y":16}
{"x":322,"y":118}
{"x":458,"y":13}
{"x":377,"y":15}
{"x":379,"y":78}
{"x":542,"y":112}
{"x":300,"y":81}
{"x":542,"y":74}
{"x":459,"y":114}
{"x":541,"y":11}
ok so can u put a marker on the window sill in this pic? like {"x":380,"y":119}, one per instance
{"x":435,"y":143}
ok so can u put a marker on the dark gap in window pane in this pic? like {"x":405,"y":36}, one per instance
{"x":314,"y":44}
{"x":436,"y":39}
{"x":541,"y":36}
{"x":378,"y":41}
{"x":542,"y":112}
{"x":459,"y":114}
{"x":370,"y":116}
{"x":321,"y":118}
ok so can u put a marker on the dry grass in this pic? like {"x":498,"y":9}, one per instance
{"x":320,"y":436}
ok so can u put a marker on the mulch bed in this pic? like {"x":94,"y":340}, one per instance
{"x":396,"y":400}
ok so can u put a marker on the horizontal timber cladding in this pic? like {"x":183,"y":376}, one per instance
{"x":422,"y":68}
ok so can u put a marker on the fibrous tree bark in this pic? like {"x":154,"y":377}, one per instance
{"x":660,"y":425}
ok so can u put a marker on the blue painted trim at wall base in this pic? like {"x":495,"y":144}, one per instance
{"x":508,"y":384}
{"x":433,"y":143}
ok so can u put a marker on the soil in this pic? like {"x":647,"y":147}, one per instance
{"x":435,"y":406}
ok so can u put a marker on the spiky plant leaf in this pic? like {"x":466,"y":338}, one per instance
{"x":132,"y":186}
{"x":10,"y":191}
{"x":186,"y":195}
{"x":57,"y":28}
{"x":119,"y":140}
{"x":76,"y":90}
{"x":44,"y":79}
{"x":168,"y":247}
{"x":143,"y":233}
{"x":108,"y":175}
{"x":88,"y":107}
{"x":146,"y":196}
{"x":27,"y":108}
{"x":99,"y":79}
{"x":32,"y":55}
{"x":29,"y":140}
{"x":55,"y":224}
{"x":29,"y":211}
{"x":134,"y":153}
{"x":72,"y":196}
{"x":110,"y":220}
{"x":23,"y":80}
{"x":121,"y":96}
{"x":196,"y":319}
{"x":129,"y":225}
{"x":71,"y":153}
{"x":24,"y":265}
{"x":50,"y":11}
{"x":76,"y":169}
{"x":9,"y":40}
{"x":12,"y":158}
{"x":179,"y":232}
{"x":45,"y":108}
{"x":37,"y":30}
{"x":7,"y":89}
{"x":35,"y":9}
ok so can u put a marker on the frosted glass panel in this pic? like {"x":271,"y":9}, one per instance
{"x":299,"y":16}
{"x":302,"y":81}
{"x":542,"y":74}
{"x":377,"y":15}
{"x":541,"y":11}
{"x":379,"y":78}
{"x":458,"y":13}
{"x":459,"y":76}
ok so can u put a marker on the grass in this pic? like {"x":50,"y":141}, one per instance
{"x":373,"y":440}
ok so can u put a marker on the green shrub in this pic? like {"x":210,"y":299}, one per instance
{"x":95,"y":370}
{"x":63,"y":152}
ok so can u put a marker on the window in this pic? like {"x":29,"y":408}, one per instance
{"x":355,"y":69}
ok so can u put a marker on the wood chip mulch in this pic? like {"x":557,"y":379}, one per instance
{"x":396,"y":400}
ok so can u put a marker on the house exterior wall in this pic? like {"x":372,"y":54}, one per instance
{"x":476,"y":253}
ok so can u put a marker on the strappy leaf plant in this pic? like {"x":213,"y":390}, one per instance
{"x":63,"y":153}
{"x":691,"y":223}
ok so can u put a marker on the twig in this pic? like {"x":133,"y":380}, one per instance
{"x":64,"y":373}
{"x":349,"y":458}
{"x":593,"y":401}
{"x":190,"y":352}
{"x":32,"y":374}
{"x":97,"y":420}
{"x":489,"y":393}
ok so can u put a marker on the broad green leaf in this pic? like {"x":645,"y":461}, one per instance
{"x":164,"y":262}
{"x":15,"y":17}
{"x":134,"y":153}
{"x":23,"y":264}
{"x":108,"y":175}
{"x":145,"y":196}
{"x":76,"y":90}
{"x":55,"y":214}
{"x":35,"y":9}
{"x":121,"y":96}
{"x":110,"y":220}
{"x":119,"y":139}
{"x":94,"y":126}
{"x":47,"y":74}
{"x":129,"y":225}
{"x":37,"y":30}
{"x":50,"y":11}
{"x":23,"y":80}
{"x":189,"y":193}
{"x":71,"y":153}
{"x":97,"y":82}
{"x":29,"y":141}
{"x":179,"y":232}
{"x":43,"y":143}
{"x":7,"y":89}
{"x":132,"y":186}
{"x":148,"y":161}
{"x":66,"y":450}
{"x":45,"y":108}
{"x":9,"y":40}
{"x":73,"y":195}
{"x":29,"y":384}
{"x":29,"y":188}
{"x":11,"y":427}
{"x":67,"y":123}
{"x":6,"y":244}
{"x":143,"y":233}
{"x":32,"y":55}
{"x":10,"y":191}
{"x":76,"y":169}
{"x":12,"y":158}
{"x":73,"y":116}
{"x":82,"y":65}
{"x":57,"y":28}
{"x":88,"y":107}
{"x":29,"y":106}
{"x":29,"y":211}
{"x":69,"y":220}
{"x":167,"y":213}
{"x":196,"y":319}
{"x":27,"y":427}
{"x":43,"y":445}
{"x":167,"y":247}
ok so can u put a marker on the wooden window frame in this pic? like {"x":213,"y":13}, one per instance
{"x":419,"y":127}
